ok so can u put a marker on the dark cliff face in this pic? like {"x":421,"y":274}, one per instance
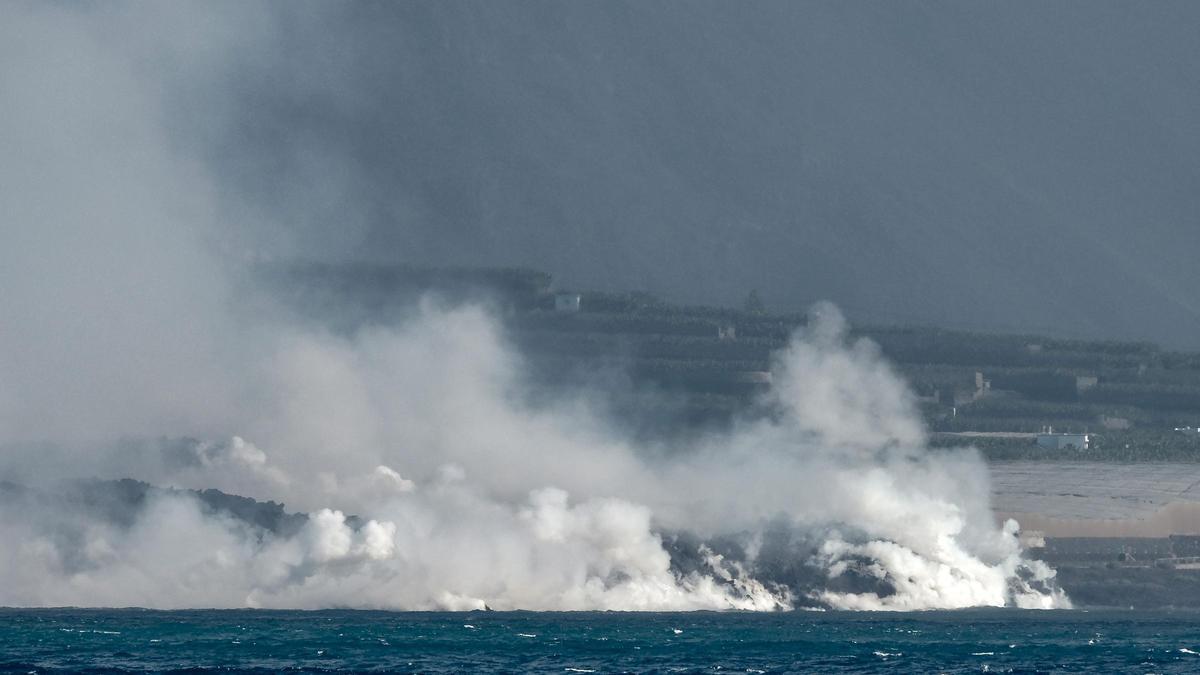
{"x":990,"y":165}
{"x":72,"y":504}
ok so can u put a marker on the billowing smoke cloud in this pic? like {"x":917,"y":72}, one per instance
{"x":463,"y":496}
{"x":428,"y":477}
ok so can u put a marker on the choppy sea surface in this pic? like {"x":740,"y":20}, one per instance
{"x":115,"y":641}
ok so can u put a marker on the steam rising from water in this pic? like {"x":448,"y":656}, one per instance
{"x":465,"y":495}
{"x":430,"y":480}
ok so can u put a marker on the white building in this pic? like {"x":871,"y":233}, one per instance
{"x":567,"y":302}
{"x":1063,"y":441}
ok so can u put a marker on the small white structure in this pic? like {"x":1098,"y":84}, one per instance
{"x":1051,"y":441}
{"x":1115,"y":423}
{"x":567,"y":302}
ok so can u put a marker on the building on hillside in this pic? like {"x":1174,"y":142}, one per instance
{"x":1085,"y":382}
{"x":1114,"y":423}
{"x":726,"y":332}
{"x":567,"y":302}
{"x":983,"y":386}
{"x":978,"y":389}
{"x":1053,"y":441}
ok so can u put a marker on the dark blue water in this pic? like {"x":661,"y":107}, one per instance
{"x":343,"y":641}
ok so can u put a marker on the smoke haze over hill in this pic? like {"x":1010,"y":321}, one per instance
{"x":884,"y":159}
{"x":1022,"y":167}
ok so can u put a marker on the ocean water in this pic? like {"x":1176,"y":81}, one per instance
{"x":972,"y":641}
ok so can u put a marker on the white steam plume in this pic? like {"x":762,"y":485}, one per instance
{"x":116,"y":325}
{"x":466,"y":496}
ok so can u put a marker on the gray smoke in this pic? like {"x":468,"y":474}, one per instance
{"x":1017,"y":167}
{"x":429,"y":479}
{"x":465,"y":496}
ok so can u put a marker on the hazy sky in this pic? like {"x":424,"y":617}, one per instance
{"x":909,"y":164}
{"x":1016,"y":166}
